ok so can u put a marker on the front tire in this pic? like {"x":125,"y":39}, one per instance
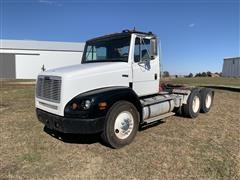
{"x":121,"y":125}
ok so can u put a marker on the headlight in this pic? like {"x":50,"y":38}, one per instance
{"x":86,"y":104}
{"x":82,"y":105}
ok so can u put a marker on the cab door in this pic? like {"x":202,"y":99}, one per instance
{"x":145,"y":66}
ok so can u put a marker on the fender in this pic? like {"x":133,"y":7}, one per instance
{"x":110,"y":95}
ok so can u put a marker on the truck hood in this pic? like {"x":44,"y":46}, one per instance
{"x":81,"y":78}
{"x":88,"y":69}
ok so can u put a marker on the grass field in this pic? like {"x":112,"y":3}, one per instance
{"x":207,"y":147}
{"x":204,"y":81}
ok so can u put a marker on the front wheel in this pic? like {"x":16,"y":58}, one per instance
{"x":121,"y":125}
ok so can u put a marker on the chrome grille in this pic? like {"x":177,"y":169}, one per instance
{"x":49,"y":88}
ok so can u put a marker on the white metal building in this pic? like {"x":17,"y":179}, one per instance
{"x":20,"y":59}
{"x":231,"y":67}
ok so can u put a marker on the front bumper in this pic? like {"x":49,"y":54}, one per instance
{"x":70,"y":125}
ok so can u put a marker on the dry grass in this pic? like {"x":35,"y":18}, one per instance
{"x":178,"y":148}
{"x":203,"y":81}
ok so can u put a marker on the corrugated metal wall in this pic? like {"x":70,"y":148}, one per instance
{"x":231,"y":67}
{"x":7,"y":66}
{"x":25,"y":59}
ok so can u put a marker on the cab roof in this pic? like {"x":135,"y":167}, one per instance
{"x":124,"y":33}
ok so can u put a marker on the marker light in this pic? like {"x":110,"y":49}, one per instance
{"x":102,"y":105}
{"x":74,"y":106}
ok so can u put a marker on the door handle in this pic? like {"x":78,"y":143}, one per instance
{"x":124,"y":75}
{"x":155,"y":76}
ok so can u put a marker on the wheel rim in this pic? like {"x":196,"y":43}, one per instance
{"x":208,"y":100}
{"x":123,"y":125}
{"x":196,"y":104}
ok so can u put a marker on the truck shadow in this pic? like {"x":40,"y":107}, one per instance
{"x":88,"y":138}
{"x":153,"y":124}
{"x":74,"y":138}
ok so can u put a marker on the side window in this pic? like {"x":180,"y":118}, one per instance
{"x":137,"y":50}
{"x":142,"y":50}
{"x":145,"y":50}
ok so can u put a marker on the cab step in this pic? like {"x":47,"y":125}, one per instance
{"x":157,"y":118}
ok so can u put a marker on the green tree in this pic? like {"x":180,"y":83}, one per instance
{"x":204,"y":74}
{"x":166,"y":74}
{"x":198,"y":75}
{"x":190,"y":75}
{"x":209,"y":74}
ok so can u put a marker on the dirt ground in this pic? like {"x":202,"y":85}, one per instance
{"x":207,"y":147}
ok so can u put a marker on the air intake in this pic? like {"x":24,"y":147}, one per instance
{"x":49,"y":88}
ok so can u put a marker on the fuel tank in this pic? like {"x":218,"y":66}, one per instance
{"x":157,"y":105}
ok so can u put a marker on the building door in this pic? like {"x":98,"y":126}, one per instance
{"x":7,"y":66}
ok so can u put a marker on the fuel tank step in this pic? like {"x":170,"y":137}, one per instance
{"x":151,"y":101}
{"x":157,"y":118}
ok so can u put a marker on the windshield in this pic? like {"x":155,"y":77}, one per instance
{"x":107,"y":50}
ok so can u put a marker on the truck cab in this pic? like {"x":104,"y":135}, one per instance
{"x":114,"y":90}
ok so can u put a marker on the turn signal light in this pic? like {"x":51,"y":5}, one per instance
{"x":102,"y":105}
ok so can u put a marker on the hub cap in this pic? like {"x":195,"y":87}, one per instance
{"x":208,"y":100}
{"x":196,"y":104}
{"x":123,"y":125}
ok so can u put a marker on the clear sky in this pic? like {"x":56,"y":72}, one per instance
{"x":195,"y":34}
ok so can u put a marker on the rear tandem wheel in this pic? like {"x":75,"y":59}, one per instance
{"x":192,"y":108}
{"x":206,"y":99}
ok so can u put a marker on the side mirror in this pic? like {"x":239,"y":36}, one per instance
{"x":145,"y":56}
{"x":145,"y":63}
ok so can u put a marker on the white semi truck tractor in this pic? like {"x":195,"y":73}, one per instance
{"x":114,"y":90}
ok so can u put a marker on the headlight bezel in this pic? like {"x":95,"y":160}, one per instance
{"x":81,"y":105}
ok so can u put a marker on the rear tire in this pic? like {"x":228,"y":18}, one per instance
{"x":206,"y":100}
{"x":121,"y":126}
{"x":192,"y":108}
